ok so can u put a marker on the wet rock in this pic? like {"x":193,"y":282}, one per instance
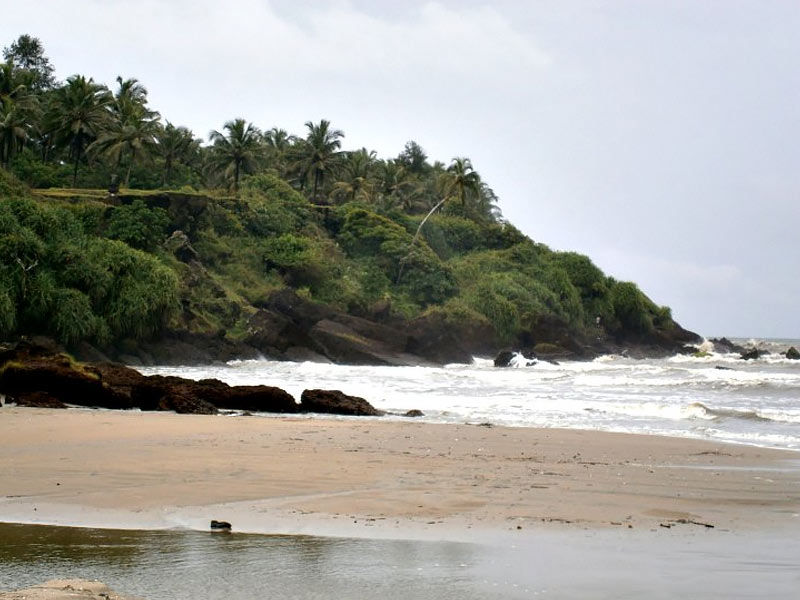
{"x":223,"y":526}
{"x":725,"y":346}
{"x":751,"y":354}
{"x":36,"y":400}
{"x":337,"y":403}
{"x":793,"y":354}
{"x":60,"y":377}
{"x":414,"y":413}
{"x":503,"y":358}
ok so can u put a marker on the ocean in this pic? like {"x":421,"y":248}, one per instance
{"x":716,"y":396}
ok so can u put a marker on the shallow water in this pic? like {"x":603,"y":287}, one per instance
{"x":718,"y":397}
{"x":548,"y":563}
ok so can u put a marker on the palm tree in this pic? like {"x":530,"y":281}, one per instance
{"x":132,"y":135}
{"x":319,"y":155}
{"x":18,"y":112}
{"x":79,"y":113}
{"x":355,"y":182}
{"x":13,"y":130}
{"x":238,"y":151}
{"x":279,"y":143}
{"x":175,"y":144}
{"x":397,"y":185}
{"x":461,"y":182}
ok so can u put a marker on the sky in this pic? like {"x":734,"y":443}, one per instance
{"x":660,"y":138}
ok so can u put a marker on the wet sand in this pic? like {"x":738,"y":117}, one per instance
{"x":376,"y":478}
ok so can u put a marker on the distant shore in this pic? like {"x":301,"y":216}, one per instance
{"x":368,"y":478}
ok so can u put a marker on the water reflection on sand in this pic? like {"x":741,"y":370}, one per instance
{"x":551,"y":563}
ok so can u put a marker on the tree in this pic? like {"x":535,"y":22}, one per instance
{"x":319,"y":155}
{"x":238,"y":151}
{"x":79,"y":113}
{"x":27,"y":54}
{"x":175,"y":145}
{"x":414,"y":159}
{"x":461,"y":182}
{"x":396,"y":184}
{"x":279,"y":143}
{"x":132,"y":134}
{"x":18,"y":109}
{"x":355,"y":181}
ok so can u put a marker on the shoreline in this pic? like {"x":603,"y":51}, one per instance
{"x":378,"y":479}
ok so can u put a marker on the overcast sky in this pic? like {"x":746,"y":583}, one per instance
{"x":661,"y":138}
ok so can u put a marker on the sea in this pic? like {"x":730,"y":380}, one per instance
{"x":709,"y":395}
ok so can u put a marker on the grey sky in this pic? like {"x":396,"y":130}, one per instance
{"x":660,"y":138}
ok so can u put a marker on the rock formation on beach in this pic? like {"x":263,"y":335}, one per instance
{"x":35,"y":376}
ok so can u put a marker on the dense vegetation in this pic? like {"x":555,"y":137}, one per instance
{"x":256,"y":211}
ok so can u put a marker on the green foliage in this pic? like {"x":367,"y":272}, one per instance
{"x":10,"y":187}
{"x":272,"y":207}
{"x":422,"y":275}
{"x":137,"y":225}
{"x":631,"y":308}
{"x":57,"y":280}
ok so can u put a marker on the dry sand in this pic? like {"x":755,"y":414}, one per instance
{"x":376,"y":478}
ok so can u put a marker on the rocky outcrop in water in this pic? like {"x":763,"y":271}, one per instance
{"x":33,"y":375}
{"x":793,"y":354}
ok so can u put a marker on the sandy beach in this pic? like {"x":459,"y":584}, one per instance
{"x":376,"y":478}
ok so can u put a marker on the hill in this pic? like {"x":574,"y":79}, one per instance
{"x":167,"y":276}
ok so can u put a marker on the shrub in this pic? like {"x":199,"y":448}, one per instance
{"x":137,"y":225}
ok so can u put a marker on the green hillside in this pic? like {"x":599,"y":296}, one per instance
{"x":117,"y":226}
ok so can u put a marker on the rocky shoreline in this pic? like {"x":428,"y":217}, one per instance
{"x":35,"y":375}
{"x":288,"y":326}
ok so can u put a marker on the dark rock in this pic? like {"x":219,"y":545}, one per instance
{"x":751,"y":354}
{"x":725,"y":346}
{"x":182,"y":404}
{"x":220,"y":525}
{"x":439,"y":340}
{"x":258,"y":398}
{"x":300,"y":354}
{"x":337,"y":403}
{"x":793,"y":354}
{"x":719,"y":368}
{"x":60,"y":377}
{"x":347,"y":343}
{"x":178,"y":243}
{"x":414,"y":413}
{"x":503,"y":358}
{"x":36,"y":400}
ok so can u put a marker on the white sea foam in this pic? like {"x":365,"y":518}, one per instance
{"x":754,"y":402}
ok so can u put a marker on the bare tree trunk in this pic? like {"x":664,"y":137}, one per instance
{"x":416,"y":235}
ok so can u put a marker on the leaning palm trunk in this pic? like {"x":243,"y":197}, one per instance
{"x":414,"y":239}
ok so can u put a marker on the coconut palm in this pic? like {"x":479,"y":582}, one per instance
{"x":13,"y":130}
{"x":175,"y":145}
{"x":238,"y":151}
{"x":279,"y":143}
{"x":319,"y":155}
{"x":78,"y":114}
{"x":18,"y":112}
{"x":397,"y":185}
{"x":355,"y":179}
{"x":461,"y":182}
{"x":131,"y":137}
